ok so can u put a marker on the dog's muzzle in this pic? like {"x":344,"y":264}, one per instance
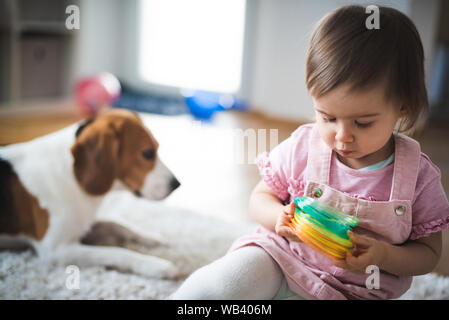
{"x":174,"y":184}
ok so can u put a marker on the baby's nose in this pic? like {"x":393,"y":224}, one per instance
{"x":344,"y":135}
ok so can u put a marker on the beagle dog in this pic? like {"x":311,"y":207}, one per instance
{"x":51,"y":188}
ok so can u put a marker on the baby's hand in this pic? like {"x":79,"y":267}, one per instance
{"x":282,"y":227}
{"x":366,"y":251}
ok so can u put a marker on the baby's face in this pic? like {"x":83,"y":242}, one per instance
{"x":358,"y":126}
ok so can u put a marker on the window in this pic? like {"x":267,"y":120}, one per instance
{"x":194,"y":44}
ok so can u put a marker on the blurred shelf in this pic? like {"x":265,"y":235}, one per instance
{"x":44,"y":27}
{"x":36,"y":57}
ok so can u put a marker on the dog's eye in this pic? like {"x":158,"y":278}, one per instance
{"x":148,"y":154}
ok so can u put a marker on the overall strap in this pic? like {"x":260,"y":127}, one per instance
{"x":406,"y":166}
{"x":318,"y":159}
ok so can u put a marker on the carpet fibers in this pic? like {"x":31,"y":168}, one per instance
{"x":191,"y":241}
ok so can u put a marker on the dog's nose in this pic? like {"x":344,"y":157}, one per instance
{"x":174,"y":183}
{"x":138,"y":193}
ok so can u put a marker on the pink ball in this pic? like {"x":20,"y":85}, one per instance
{"x":97,"y":92}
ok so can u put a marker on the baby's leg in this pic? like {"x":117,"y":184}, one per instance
{"x":246,"y":273}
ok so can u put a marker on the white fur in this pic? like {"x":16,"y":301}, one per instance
{"x":157,"y":182}
{"x":45,"y":168}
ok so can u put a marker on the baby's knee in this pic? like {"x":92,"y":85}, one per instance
{"x":247,"y":273}
{"x":203,"y":284}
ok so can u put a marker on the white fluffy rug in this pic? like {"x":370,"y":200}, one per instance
{"x":192,"y":240}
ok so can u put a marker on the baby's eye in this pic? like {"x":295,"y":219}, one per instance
{"x":363,"y":125}
{"x":328,"y":119}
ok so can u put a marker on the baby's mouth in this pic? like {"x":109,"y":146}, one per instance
{"x":344,"y":153}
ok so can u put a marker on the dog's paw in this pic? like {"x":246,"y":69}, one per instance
{"x":155,"y":267}
{"x":172,"y":273}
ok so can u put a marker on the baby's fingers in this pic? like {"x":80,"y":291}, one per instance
{"x":287,"y":232}
{"x":290,"y":209}
{"x":292,"y":237}
{"x":282,"y":229}
{"x":360,"y":241}
{"x":358,"y":263}
{"x":348,"y":264}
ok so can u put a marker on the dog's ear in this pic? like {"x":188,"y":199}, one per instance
{"x":95,"y":153}
{"x":83,"y":125}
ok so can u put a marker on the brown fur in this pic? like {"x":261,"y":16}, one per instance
{"x":111,"y":147}
{"x":20,"y":211}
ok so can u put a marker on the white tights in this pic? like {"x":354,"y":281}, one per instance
{"x":247,"y":273}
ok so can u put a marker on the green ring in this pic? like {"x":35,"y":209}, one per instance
{"x":325,"y":216}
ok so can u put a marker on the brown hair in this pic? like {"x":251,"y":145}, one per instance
{"x":343,"y":50}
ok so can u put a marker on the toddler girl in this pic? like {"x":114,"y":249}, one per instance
{"x":367,"y":86}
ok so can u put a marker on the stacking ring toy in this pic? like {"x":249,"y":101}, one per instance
{"x":322,"y":227}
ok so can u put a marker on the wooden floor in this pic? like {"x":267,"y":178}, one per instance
{"x":22,"y":122}
{"x":25,"y":125}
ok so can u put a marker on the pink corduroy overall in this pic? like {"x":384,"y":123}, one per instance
{"x":312,"y":275}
